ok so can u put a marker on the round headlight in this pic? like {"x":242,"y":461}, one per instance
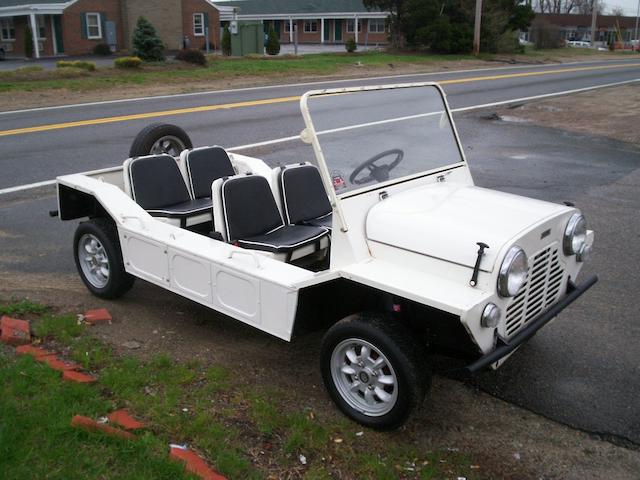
{"x":513,"y":272}
{"x":575,"y":235}
{"x":490,"y":316}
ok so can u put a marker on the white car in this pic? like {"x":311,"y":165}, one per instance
{"x":383,"y":237}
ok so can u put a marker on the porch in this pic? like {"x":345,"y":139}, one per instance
{"x":44,"y":23}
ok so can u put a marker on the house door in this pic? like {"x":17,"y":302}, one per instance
{"x":325,"y":34}
{"x":337,"y":30}
{"x":57,"y":26}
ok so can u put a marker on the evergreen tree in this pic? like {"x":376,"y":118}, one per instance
{"x":273,"y":43}
{"x":146,"y":43}
{"x":226,"y":42}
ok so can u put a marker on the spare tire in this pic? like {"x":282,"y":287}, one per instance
{"x":160,"y":138}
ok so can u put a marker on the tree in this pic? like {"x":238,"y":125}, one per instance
{"x":273,"y":43}
{"x":226,"y":42}
{"x":397,"y":11}
{"x":617,"y":11}
{"x":146,"y":43}
{"x":446,"y":26}
{"x":28,"y":42}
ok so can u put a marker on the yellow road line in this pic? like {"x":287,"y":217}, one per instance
{"x":271,"y":101}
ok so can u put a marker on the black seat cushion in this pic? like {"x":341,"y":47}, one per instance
{"x":190,"y":208}
{"x":249,"y":207}
{"x":205,"y":165}
{"x":157,"y":182}
{"x":303,"y":195}
{"x":324,"y":222}
{"x":284,"y":239}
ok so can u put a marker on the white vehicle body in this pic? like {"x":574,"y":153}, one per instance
{"x":412,"y":239}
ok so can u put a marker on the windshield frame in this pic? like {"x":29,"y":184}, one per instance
{"x":309,"y":135}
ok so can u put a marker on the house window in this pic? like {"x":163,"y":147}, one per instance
{"x":376,"y":25}
{"x":94,"y":26}
{"x":42,"y":31}
{"x":287,"y":26}
{"x":310,"y":26}
{"x":7,"y":31}
{"x":198,"y":24}
{"x":351,"y":25}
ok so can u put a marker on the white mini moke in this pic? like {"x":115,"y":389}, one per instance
{"x":384,"y":238}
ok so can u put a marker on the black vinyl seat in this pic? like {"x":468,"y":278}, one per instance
{"x":157,"y":185}
{"x":252,"y":219}
{"x":202,"y":166}
{"x":304,"y":199}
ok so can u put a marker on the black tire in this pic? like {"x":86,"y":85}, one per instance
{"x":118,"y":281}
{"x":149,"y":137}
{"x":405,"y":356}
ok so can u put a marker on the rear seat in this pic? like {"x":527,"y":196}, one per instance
{"x":201,"y":166}
{"x":156,"y":184}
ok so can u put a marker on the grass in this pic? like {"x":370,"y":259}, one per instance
{"x":246,"y":431}
{"x":224,"y":68}
{"x":218,"y":68}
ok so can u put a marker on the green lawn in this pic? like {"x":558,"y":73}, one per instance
{"x":33,"y":78}
{"x":217,"y":68}
{"x":245,"y":431}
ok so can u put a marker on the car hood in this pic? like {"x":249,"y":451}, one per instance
{"x":445,"y":220}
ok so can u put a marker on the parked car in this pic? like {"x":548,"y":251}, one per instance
{"x":578,"y":44}
{"x":384,"y":239}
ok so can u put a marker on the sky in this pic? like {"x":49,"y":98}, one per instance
{"x":630,"y":6}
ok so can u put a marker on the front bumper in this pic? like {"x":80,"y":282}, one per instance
{"x":505,"y":347}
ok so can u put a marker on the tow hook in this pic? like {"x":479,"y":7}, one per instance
{"x":476,"y":269}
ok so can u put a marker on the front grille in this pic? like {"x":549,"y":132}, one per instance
{"x":539,"y":292}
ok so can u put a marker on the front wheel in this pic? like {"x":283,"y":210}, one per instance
{"x":373,"y":370}
{"x":98,"y":256}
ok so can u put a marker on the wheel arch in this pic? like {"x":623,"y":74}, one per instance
{"x":321,"y":306}
{"x":74,"y":204}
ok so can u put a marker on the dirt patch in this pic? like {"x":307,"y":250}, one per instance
{"x":609,"y":112}
{"x":504,"y":440}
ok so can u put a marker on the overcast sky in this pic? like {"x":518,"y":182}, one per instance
{"x":630,"y":6}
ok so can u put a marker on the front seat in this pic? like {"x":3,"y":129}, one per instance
{"x":304,"y":199}
{"x":252,"y":219}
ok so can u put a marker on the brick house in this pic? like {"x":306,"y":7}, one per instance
{"x":75,"y":27}
{"x":321,"y":21}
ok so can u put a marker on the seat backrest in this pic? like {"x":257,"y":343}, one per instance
{"x":155,"y":181}
{"x":303,"y":193}
{"x":201,"y":166}
{"x":248,"y":207}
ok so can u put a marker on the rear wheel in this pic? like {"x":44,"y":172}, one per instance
{"x":98,"y":257}
{"x":160,"y":138}
{"x":373,"y":370}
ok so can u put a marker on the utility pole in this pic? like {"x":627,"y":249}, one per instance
{"x":594,"y":15}
{"x":476,"y":28}
{"x":637,"y":17}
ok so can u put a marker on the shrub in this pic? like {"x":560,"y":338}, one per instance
{"x":191,"y":55}
{"x":273,"y":43}
{"x":146,"y":43}
{"x":127,"y":62}
{"x":28,"y":42}
{"x":81,"y":64}
{"x":226,"y":42}
{"x":351,"y":45}
{"x":102,"y":49}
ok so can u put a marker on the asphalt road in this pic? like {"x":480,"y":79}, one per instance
{"x":581,"y":370}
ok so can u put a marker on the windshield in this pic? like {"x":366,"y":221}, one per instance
{"x":369,"y":137}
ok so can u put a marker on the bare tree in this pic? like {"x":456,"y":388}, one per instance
{"x":567,"y":6}
{"x":617,"y":11}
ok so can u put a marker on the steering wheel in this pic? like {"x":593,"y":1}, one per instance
{"x":380,"y":173}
